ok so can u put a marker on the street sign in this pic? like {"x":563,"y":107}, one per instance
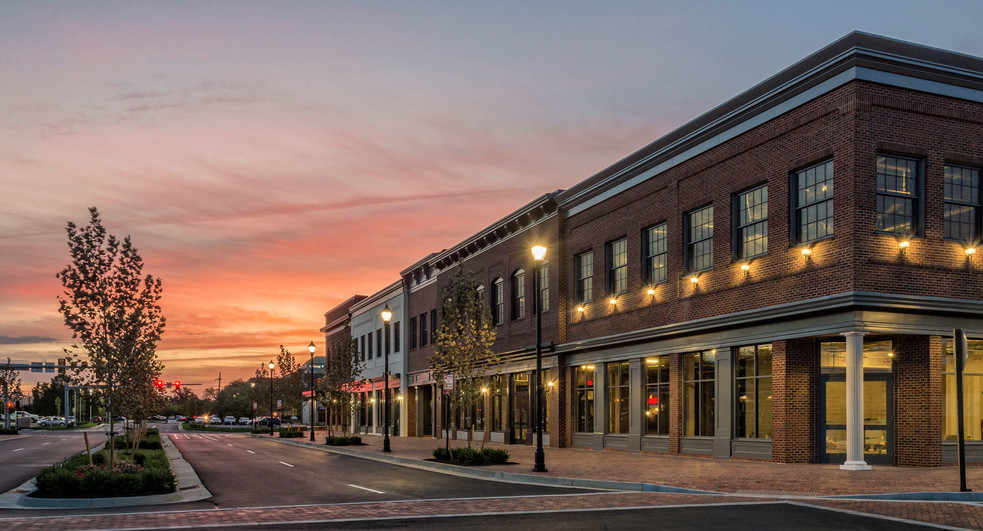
{"x":448,"y":384}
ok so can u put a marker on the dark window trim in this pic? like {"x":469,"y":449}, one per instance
{"x":646,"y":270}
{"x":919,"y":201}
{"x":793,"y":196}
{"x":609,"y":265}
{"x":735,"y":209}
{"x":976,"y":238}
{"x":687,"y":254}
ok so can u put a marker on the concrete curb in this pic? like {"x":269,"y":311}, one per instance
{"x":189,"y":489}
{"x":496,"y":475}
{"x":915,"y":496}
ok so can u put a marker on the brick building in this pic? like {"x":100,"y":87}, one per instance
{"x":777,"y":279}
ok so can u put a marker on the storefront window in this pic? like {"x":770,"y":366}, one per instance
{"x":972,"y":393}
{"x":499,"y":401}
{"x":877,"y":356}
{"x":752,"y":386}
{"x":698,"y":390}
{"x":657,"y":393}
{"x":584,"y":397}
{"x":618,"y":400}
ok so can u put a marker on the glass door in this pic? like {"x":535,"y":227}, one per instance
{"x":520,"y":408}
{"x":878,"y":404}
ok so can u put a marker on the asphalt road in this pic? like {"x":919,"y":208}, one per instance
{"x":22,"y":457}
{"x":243,"y":471}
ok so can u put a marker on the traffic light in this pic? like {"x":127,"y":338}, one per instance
{"x":160,"y":384}
{"x":177,"y":385}
{"x":10,"y":405}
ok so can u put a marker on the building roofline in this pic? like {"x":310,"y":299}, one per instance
{"x":385,"y":293}
{"x":516,"y":221}
{"x":854,"y":49}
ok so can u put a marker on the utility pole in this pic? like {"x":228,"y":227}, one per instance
{"x":219,"y":385}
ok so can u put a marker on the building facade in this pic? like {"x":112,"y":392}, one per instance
{"x":778,"y":279}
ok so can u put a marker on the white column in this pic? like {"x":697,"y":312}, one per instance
{"x":855,"y":402}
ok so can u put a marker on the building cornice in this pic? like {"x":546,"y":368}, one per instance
{"x":848,"y":301}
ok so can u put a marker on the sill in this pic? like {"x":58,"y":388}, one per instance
{"x":811,"y":242}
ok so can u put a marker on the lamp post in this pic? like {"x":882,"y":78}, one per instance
{"x":271,"y":365}
{"x":538,"y":254}
{"x":387,"y":314}
{"x":312,"y":348}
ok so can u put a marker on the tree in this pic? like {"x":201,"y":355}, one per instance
{"x":342,"y":372}
{"x":463,"y":343}
{"x":10,"y":386}
{"x":115,"y":317}
{"x":290,"y":385}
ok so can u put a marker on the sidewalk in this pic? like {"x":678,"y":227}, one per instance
{"x":692,"y":473}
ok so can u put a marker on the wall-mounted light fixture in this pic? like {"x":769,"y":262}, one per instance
{"x":651,"y":291}
{"x":970,"y":251}
{"x":580,"y":309}
{"x":613,"y":301}
{"x":904,"y":244}
{"x":806,"y":252}
{"x":694,"y":279}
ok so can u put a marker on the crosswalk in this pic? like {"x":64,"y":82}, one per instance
{"x":210,"y":436}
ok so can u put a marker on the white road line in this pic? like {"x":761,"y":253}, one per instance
{"x":250,"y":451}
{"x":228,"y":444}
{"x":288,"y":464}
{"x":19,"y":449}
{"x":366,"y":488}
{"x":49,"y":442}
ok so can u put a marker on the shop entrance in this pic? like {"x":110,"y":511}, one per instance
{"x":520,"y":408}
{"x":878,"y":404}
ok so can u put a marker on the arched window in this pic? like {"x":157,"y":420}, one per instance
{"x":498,"y":301}
{"x":518,"y":294}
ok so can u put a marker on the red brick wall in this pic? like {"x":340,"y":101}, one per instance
{"x":795,"y":401}
{"x":675,"y":402}
{"x":918,"y":401}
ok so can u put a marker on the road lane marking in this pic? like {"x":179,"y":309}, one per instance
{"x":281,"y":462}
{"x":19,"y":449}
{"x":228,"y":444}
{"x":250,"y":451}
{"x":49,"y":442}
{"x":366,"y":488}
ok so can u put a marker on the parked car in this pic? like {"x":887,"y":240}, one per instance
{"x":70,"y":421}
{"x":52,"y":421}
{"x":214,"y":419}
{"x":266,"y":421}
{"x":199,"y":420}
{"x":229,"y":419}
{"x":244,"y":421}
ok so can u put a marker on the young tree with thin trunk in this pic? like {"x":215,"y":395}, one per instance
{"x":113,"y":311}
{"x":10,"y":386}
{"x":290,"y":384}
{"x":462,"y":346}
{"x":343,"y":371}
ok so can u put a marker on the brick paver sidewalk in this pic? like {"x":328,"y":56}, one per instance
{"x":725,"y":476}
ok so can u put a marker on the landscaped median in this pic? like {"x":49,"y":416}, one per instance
{"x":141,"y":468}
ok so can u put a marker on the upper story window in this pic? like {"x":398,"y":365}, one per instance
{"x":583,"y":264}
{"x":962,"y":204}
{"x":396,"y":336}
{"x":618,"y":266}
{"x":751,"y":220}
{"x":368,"y":342}
{"x":412,"y":332}
{"x":433,"y":325}
{"x":362,"y":347}
{"x":518,"y":294}
{"x":813,"y":202}
{"x":498,"y":301}
{"x":699,"y":240}
{"x":654,"y":250}
{"x":544,"y":287}
{"x":379,"y":342}
{"x":423,"y":330}
{"x":897,"y":195}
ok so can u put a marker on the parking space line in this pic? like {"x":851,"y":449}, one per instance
{"x":288,"y":464}
{"x":19,"y":449}
{"x":49,"y":442}
{"x":366,"y":488}
{"x":228,"y":444}
{"x":250,"y":451}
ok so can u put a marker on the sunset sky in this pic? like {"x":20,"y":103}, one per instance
{"x":271,"y":159}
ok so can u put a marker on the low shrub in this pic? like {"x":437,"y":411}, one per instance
{"x":343,"y":441}
{"x":470,"y":457}
{"x":8,"y":431}
{"x":294,"y":432}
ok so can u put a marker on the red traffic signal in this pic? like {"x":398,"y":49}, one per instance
{"x":177,"y":385}
{"x":159,"y":384}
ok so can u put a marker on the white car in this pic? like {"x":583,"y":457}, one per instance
{"x":214,"y":419}
{"x":244,"y":420}
{"x":229,"y":419}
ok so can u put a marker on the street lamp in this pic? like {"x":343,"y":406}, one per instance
{"x":311,"y":348}
{"x":538,"y":254}
{"x":387,"y":314}
{"x":271,"y":397}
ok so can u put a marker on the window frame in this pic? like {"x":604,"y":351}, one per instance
{"x":396,"y":336}
{"x":917,"y":200}
{"x":648,"y":257}
{"x":498,"y":301}
{"x":701,"y":410}
{"x":662,"y":392}
{"x":977,"y":207}
{"x":584,"y":398}
{"x":617,"y":273}
{"x":739,"y":242}
{"x":413,"y":333}
{"x":690,"y":244}
{"x":753,"y":386}
{"x":795,"y":212}
{"x":617,"y":393}
{"x":544,"y":287}
{"x":423,"y":330}
{"x":518,"y":310}
{"x":585,"y":283}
